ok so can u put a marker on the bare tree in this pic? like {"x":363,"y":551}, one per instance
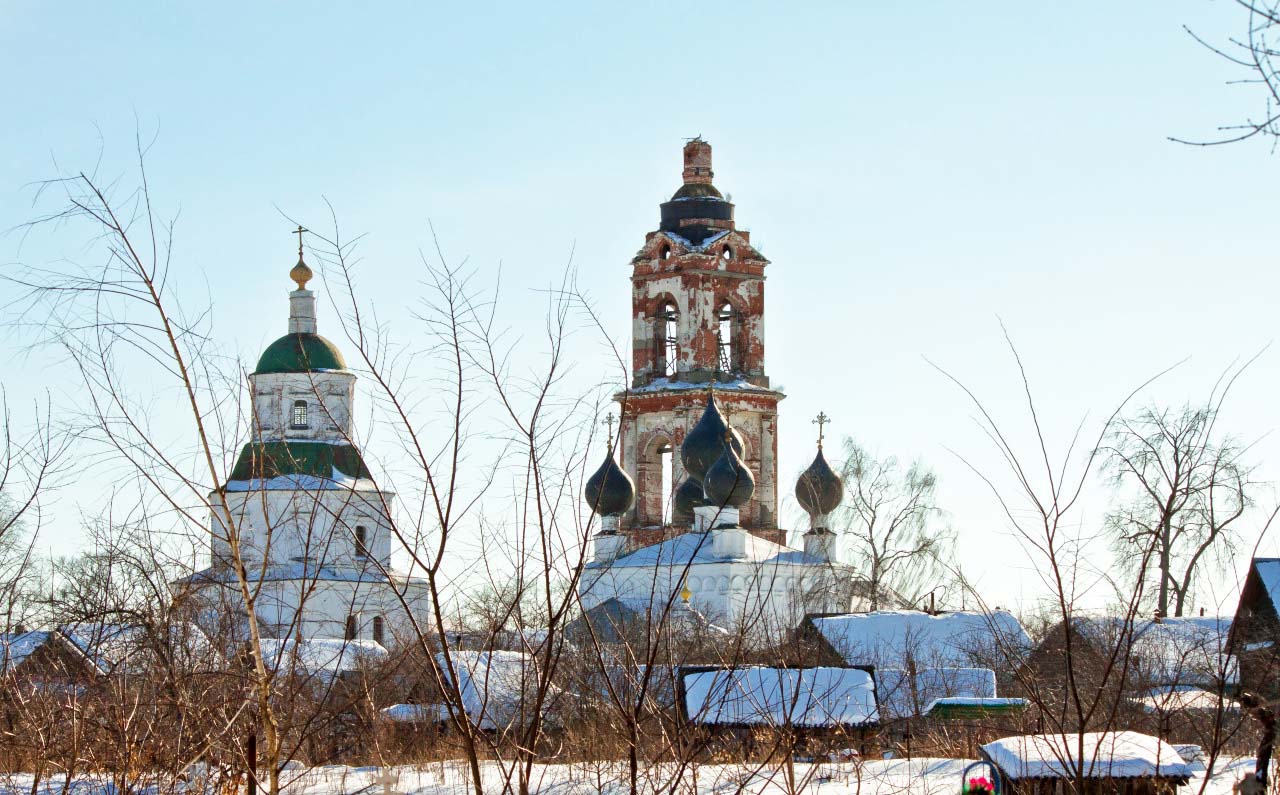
{"x":892,"y":517}
{"x":1183,"y":487}
{"x":1255,"y":54}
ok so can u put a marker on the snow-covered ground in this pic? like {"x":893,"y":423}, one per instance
{"x":877,"y":777}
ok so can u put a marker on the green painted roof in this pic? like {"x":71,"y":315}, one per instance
{"x":262,"y":460}
{"x":994,"y":706}
{"x":300,"y":353}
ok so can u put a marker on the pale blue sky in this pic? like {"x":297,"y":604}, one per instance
{"x":914,"y":171}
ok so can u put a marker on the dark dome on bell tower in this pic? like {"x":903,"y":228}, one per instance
{"x":697,"y":210}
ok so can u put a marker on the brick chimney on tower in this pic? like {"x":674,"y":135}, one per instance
{"x":697,"y":162}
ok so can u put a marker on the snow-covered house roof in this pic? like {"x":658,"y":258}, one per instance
{"x":134,"y":648}
{"x":764,"y":696}
{"x":1105,"y":755}
{"x":1268,"y":570}
{"x":610,"y":620}
{"x":493,"y":685}
{"x":16,"y":647}
{"x":626,"y":682}
{"x":902,"y":695}
{"x":907,"y":638}
{"x":415,"y":713}
{"x":1185,"y":698}
{"x":323,"y":658}
{"x":1169,"y":651}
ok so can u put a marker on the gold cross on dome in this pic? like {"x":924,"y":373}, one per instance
{"x":608,"y":422}
{"x":299,"y":232}
{"x":820,"y":420}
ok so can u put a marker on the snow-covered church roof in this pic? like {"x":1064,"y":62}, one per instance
{"x":697,"y":548}
{"x":944,"y":640}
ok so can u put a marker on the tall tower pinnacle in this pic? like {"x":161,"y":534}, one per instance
{"x":697,"y":300}
{"x":697,"y":162}
{"x":302,"y":302}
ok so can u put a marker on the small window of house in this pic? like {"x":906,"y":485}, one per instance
{"x":378,"y":636}
{"x":299,"y":414}
{"x":351,"y":628}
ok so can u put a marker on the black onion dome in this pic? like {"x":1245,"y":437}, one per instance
{"x":688,"y":496}
{"x":705,"y":441}
{"x":819,"y":489}
{"x":610,"y":490}
{"x":728,"y":481}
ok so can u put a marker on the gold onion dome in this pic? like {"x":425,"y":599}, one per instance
{"x":728,"y":481}
{"x":819,"y":489}
{"x":301,"y":273}
{"x":705,"y":441}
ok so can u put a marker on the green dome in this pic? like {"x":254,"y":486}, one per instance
{"x":300,"y":353}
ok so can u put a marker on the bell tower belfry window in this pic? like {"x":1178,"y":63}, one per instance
{"x":697,"y":288}
{"x":667,"y":339}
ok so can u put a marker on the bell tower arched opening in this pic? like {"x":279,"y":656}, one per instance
{"x":655,"y":483}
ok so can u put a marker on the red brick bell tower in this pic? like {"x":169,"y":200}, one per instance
{"x":697,"y":303}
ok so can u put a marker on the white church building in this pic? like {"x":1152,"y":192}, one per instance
{"x":314,"y":530}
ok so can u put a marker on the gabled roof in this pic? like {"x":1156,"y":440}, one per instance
{"x":1106,"y":755}
{"x":764,"y":696}
{"x":901,"y":638}
{"x":1261,"y":592}
{"x":1268,"y":571}
{"x":16,"y":647}
{"x":1170,"y":651}
{"x":136,"y":648}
